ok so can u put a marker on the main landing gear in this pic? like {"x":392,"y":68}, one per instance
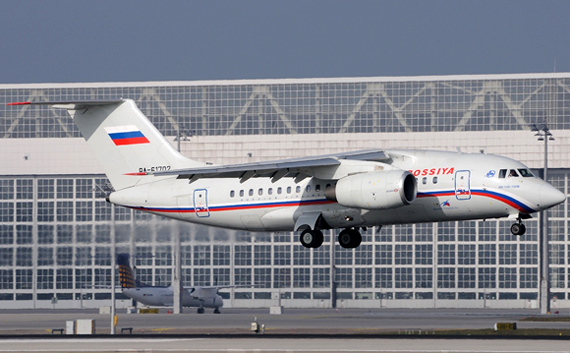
{"x":348,"y":238}
{"x":518,"y":228}
{"x":312,"y":238}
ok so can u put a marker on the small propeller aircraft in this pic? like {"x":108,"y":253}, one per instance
{"x":197,"y":297}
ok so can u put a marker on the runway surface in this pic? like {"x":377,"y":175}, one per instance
{"x":284,"y":333}
{"x":255,"y":344}
{"x":292,"y":321}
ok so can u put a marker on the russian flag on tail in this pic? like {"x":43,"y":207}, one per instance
{"x":126,"y":135}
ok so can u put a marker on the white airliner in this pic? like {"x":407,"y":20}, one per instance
{"x":348,"y":191}
{"x":196,"y":297}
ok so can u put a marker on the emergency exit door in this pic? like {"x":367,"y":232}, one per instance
{"x":201,"y":203}
{"x":463,"y":185}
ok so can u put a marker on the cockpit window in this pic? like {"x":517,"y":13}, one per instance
{"x":502,"y":173}
{"x":513,"y":173}
{"x":525,"y":173}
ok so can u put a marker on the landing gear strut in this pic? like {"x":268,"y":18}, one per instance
{"x":349,"y":238}
{"x":312,"y":238}
{"x":518,"y":228}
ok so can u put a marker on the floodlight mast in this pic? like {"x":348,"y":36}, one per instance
{"x":544,"y":134}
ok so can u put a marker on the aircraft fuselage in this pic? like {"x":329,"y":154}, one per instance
{"x":164,"y":296}
{"x":450,"y":186}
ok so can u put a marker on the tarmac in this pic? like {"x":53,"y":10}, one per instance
{"x":296,"y":330}
{"x":234,"y":321}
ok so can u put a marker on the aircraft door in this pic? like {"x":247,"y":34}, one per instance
{"x":201,"y":203}
{"x":463,"y":185}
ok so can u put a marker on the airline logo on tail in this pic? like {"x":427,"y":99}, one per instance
{"x":126,"y":135}
{"x":125,"y":272}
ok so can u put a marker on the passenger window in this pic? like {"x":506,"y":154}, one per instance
{"x":260,"y":192}
{"x":270,"y":191}
{"x":502,"y":173}
{"x":250,"y":192}
{"x":424,"y":180}
{"x":525,"y":173}
{"x":279,"y":190}
{"x":435,"y":180}
{"x":308,"y":188}
{"x":298,"y":189}
{"x":288,"y":189}
{"x":318,"y":187}
{"x":241,"y":193}
{"x":232,"y":193}
{"x":513,"y":173}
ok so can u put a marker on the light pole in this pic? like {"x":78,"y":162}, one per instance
{"x":543,"y":134}
{"x":113,"y":265}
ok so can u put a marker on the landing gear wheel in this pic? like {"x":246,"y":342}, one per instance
{"x":216,"y":310}
{"x":200,"y":310}
{"x":518,"y":229}
{"x":349,"y":238}
{"x":311,"y":238}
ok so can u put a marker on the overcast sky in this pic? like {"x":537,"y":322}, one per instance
{"x":102,"y":41}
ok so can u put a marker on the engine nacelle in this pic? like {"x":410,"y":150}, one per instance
{"x":375,"y":190}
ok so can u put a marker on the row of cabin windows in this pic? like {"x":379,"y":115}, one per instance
{"x":525,"y":173}
{"x":279,"y":190}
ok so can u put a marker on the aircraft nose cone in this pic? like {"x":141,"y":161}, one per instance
{"x":550,"y":196}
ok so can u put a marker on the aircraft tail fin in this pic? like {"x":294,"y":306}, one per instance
{"x":126,"y":275}
{"x":123,"y":140}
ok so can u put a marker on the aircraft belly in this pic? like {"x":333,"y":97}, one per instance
{"x":282,"y":218}
{"x":189,"y":302}
{"x":338,"y":216}
{"x":450,"y":208}
{"x":406,"y":214}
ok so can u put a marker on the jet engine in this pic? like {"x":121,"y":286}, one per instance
{"x":375,"y":190}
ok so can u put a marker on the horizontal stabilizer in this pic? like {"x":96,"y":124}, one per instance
{"x":72,"y":105}
{"x":122,"y":139}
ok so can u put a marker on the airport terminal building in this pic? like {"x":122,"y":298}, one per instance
{"x":57,"y":231}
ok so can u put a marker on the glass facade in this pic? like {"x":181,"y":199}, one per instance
{"x":374,"y":105}
{"x":55,"y":230}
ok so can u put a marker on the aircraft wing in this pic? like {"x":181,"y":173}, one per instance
{"x":275,"y":169}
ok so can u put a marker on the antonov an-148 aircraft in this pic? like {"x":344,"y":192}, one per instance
{"x":197,"y":297}
{"x":348,"y":191}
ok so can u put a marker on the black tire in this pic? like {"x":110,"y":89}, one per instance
{"x":311,"y":238}
{"x":518,"y":229}
{"x":307,"y":238}
{"x":344,"y":238}
{"x":355,"y":238}
{"x":319,"y":238}
{"x":200,"y":311}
